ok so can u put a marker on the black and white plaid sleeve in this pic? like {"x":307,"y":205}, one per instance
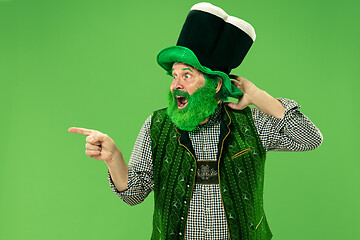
{"x":294,"y":132}
{"x":141,"y":181}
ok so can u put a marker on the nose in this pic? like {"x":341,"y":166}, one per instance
{"x":176,"y":85}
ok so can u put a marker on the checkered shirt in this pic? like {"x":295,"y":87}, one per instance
{"x":206,"y":219}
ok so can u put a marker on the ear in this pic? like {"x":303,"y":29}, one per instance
{"x":219,"y":85}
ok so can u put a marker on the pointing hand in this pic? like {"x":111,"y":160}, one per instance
{"x":98,"y":145}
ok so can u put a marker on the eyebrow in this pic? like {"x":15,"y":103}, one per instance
{"x":187,"y":69}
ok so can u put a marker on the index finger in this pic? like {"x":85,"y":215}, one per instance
{"x":82,"y":131}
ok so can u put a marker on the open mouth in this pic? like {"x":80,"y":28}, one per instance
{"x":182,"y":101}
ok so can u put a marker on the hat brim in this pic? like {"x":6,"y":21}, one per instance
{"x":168,"y":56}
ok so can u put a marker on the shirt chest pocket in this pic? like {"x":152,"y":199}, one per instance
{"x":241,"y":153}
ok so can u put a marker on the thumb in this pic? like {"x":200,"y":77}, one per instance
{"x":96,"y":138}
{"x":232,"y":105}
{"x":238,"y":106}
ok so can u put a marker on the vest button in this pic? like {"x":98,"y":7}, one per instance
{"x":180,"y":233}
{"x":185,"y":201}
{"x":191,"y":169}
{"x":182,"y":218}
{"x":188,"y":186}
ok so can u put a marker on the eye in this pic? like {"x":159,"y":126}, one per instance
{"x":174,"y":76}
{"x":187,"y":76}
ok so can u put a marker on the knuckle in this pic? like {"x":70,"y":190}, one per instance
{"x":97,"y":133}
{"x":89,"y":146}
{"x":89,"y":154}
{"x":106,"y":137}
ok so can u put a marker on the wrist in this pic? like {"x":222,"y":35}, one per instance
{"x":115,"y":158}
{"x":255,"y":94}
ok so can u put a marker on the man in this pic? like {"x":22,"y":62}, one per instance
{"x":204,"y":158}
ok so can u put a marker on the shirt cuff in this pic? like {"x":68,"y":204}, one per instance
{"x":131,"y":182}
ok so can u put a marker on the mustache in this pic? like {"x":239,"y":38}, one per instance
{"x":180,"y":93}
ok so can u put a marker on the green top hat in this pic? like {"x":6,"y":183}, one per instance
{"x":213,"y":42}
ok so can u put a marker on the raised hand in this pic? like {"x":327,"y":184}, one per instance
{"x":98,"y":145}
{"x":254,"y":95}
{"x":248,"y":88}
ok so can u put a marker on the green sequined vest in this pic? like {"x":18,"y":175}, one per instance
{"x":241,"y":162}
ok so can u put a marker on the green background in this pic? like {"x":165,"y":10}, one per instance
{"x":92,"y":64}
